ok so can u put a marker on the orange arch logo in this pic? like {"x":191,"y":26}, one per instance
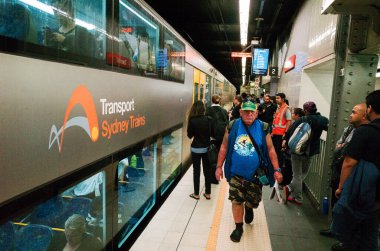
{"x":81,"y":96}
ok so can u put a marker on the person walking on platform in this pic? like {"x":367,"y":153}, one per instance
{"x":267,"y":110}
{"x":219,"y":121}
{"x":301,"y":163}
{"x":287,"y":167}
{"x":356,"y":218}
{"x":357,"y":118}
{"x":237,"y":105}
{"x":281,"y":122}
{"x":243,"y":158}
{"x":199,"y":129}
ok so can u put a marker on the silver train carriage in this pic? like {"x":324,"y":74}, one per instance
{"x":94,"y":97}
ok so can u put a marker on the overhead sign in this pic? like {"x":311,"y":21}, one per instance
{"x":260,"y":61}
{"x":241,"y":54}
{"x":273,"y":71}
{"x":290,"y":63}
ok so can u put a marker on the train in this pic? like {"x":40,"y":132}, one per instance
{"x":94,"y":98}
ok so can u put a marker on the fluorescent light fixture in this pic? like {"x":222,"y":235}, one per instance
{"x":137,"y":14}
{"x":41,"y":6}
{"x":243,"y":64}
{"x":84,"y":24}
{"x":244,"y":18}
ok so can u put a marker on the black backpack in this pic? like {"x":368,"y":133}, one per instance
{"x":220,"y":121}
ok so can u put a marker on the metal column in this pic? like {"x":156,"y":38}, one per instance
{"x":354,"y":78}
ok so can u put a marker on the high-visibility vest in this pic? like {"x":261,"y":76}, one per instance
{"x":279,"y":122}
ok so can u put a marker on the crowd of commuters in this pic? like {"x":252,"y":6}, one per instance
{"x":257,"y":139}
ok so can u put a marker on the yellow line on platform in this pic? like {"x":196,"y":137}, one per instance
{"x":214,"y":232}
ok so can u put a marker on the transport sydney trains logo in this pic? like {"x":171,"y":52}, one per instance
{"x":89,"y":124}
{"x":121,"y":111}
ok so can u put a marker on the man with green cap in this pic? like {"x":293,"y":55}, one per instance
{"x":246,"y":163}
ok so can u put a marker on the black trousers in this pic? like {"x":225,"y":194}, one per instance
{"x":277,"y":143}
{"x":196,"y":158}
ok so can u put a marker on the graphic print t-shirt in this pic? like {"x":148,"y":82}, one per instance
{"x":245,"y":159}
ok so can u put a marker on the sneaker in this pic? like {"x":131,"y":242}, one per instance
{"x":326,"y":232}
{"x":285,"y":194}
{"x":338,"y":246}
{"x":236,"y":235}
{"x":294,"y":200}
{"x":248,"y":216}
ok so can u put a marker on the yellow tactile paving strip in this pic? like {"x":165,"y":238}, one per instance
{"x":214,"y":231}
{"x":255,"y":236}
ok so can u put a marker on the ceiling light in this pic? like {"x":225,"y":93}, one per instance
{"x":244,"y":18}
{"x":243,"y":64}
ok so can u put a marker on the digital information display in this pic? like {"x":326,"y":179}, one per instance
{"x":260,"y":61}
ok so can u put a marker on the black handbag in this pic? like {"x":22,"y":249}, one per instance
{"x":212,"y":154}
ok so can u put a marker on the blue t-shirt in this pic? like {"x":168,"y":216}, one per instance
{"x":245,"y":160}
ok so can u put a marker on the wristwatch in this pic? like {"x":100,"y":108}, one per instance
{"x":278,"y":170}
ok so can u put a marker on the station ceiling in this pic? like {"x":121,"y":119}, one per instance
{"x":212,"y":27}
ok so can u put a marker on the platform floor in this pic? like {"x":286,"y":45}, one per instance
{"x":183,"y":223}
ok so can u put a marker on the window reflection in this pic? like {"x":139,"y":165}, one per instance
{"x":138,"y":37}
{"x":77,"y":27}
{"x":136,"y":175}
{"x":169,"y":159}
{"x":172,"y":60}
{"x":71,"y":219}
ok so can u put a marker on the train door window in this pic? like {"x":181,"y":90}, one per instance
{"x":169,"y":151}
{"x":200,"y":90}
{"x":218,"y":88}
{"x":73,"y":30}
{"x":74,"y":217}
{"x":136,"y":176}
{"x":208,"y":91}
{"x":137,"y":42}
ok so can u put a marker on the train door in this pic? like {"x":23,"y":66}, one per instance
{"x":201,"y":88}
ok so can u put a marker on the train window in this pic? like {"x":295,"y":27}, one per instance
{"x":74,"y":217}
{"x":137,"y":43}
{"x":76,"y":27}
{"x":171,"y":59}
{"x":136,"y":175}
{"x":169,"y":154}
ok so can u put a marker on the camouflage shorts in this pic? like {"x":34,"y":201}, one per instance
{"x":242,"y":190}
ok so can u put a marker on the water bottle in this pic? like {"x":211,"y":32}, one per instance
{"x":325,"y":205}
{"x":262,"y":177}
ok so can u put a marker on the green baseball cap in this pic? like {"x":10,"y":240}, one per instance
{"x":248,"y":106}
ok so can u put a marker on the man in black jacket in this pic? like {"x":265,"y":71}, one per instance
{"x":364,"y":145}
{"x":219,"y":121}
{"x":267,"y":110}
